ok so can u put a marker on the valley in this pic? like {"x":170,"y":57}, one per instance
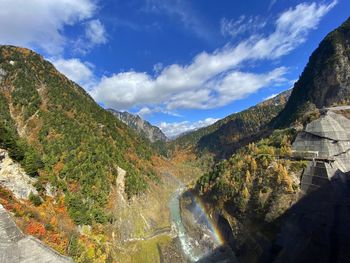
{"x":83,"y":182}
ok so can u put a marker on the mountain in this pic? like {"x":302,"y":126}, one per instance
{"x":235,"y":130}
{"x":56,"y":131}
{"x":325,"y":80}
{"x":281,"y":198}
{"x":142,"y":127}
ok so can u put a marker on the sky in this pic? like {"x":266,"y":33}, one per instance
{"x":180,"y":64}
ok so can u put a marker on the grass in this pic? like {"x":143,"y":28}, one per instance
{"x":143,"y":251}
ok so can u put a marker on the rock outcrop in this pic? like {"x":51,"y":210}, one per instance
{"x":325,"y":80}
{"x":14,"y":178}
{"x":142,"y":127}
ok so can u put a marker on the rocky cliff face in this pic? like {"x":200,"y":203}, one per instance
{"x":14,"y":178}
{"x":325,"y":80}
{"x":142,"y":127}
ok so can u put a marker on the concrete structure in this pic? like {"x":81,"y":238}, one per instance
{"x":15,"y":247}
{"x":326,"y":143}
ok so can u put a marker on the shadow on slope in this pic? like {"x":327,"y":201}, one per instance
{"x":316,"y":228}
{"x":222,"y":254}
{"x":222,"y":148}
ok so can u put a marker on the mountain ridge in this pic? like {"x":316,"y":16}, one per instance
{"x":141,"y":126}
{"x":325,"y":79}
{"x":282,"y":198}
{"x":213,"y":138}
{"x":59,"y":133}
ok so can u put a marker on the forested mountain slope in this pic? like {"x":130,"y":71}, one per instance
{"x":58,"y":133}
{"x":235,"y":130}
{"x":256,"y":193}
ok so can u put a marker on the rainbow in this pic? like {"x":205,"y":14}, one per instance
{"x":214,"y":230}
{"x":189,"y":245}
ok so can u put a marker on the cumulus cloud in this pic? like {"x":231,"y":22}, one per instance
{"x":95,"y":32}
{"x":144,"y":111}
{"x":76,"y":70}
{"x":174,"y":129}
{"x":219,"y":92}
{"x":40,"y":23}
{"x":214,"y":79}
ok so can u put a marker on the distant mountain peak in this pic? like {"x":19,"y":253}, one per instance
{"x":142,"y":127}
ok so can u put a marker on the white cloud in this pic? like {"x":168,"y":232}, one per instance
{"x":76,"y":70}
{"x":157,"y":68}
{"x":144,"y":111}
{"x":174,"y":129}
{"x":270,"y":97}
{"x":242,"y":25}
{"x":224,"y":90}
{"x":215,"y":79}
{"x":96,"y":32}
{"x":40,"y":23}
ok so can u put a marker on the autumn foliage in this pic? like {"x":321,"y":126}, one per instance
{"x":36,"y":229}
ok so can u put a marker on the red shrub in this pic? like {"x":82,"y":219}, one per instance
{"x":36,"y":229}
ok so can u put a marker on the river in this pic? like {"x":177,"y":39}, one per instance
{"x":204,"y":241}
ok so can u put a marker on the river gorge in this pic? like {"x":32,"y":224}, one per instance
{"x":199,"y":237}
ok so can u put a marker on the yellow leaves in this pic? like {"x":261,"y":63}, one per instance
{"x":252,"y":148}
{"x":245,"y":193}
{"x":239,"y":165}
{"x":53,"y":221}
{"x":57,"y":168}
{"x":93,"y":248}
{"x":248,"y":178}
{"x":90,"y":253}
{"x":285,"y":141}
{"x":265,"y":162}
{"x":253,"y":166}
{"x":283,"y":177}
{"x":285,"y":151}
{"x":60,"y":200}
{"x":86,"y":230}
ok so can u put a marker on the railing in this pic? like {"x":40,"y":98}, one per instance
{"x":311,"y":156}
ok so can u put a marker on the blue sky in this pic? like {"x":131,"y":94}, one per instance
{"x":180,"y":64}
